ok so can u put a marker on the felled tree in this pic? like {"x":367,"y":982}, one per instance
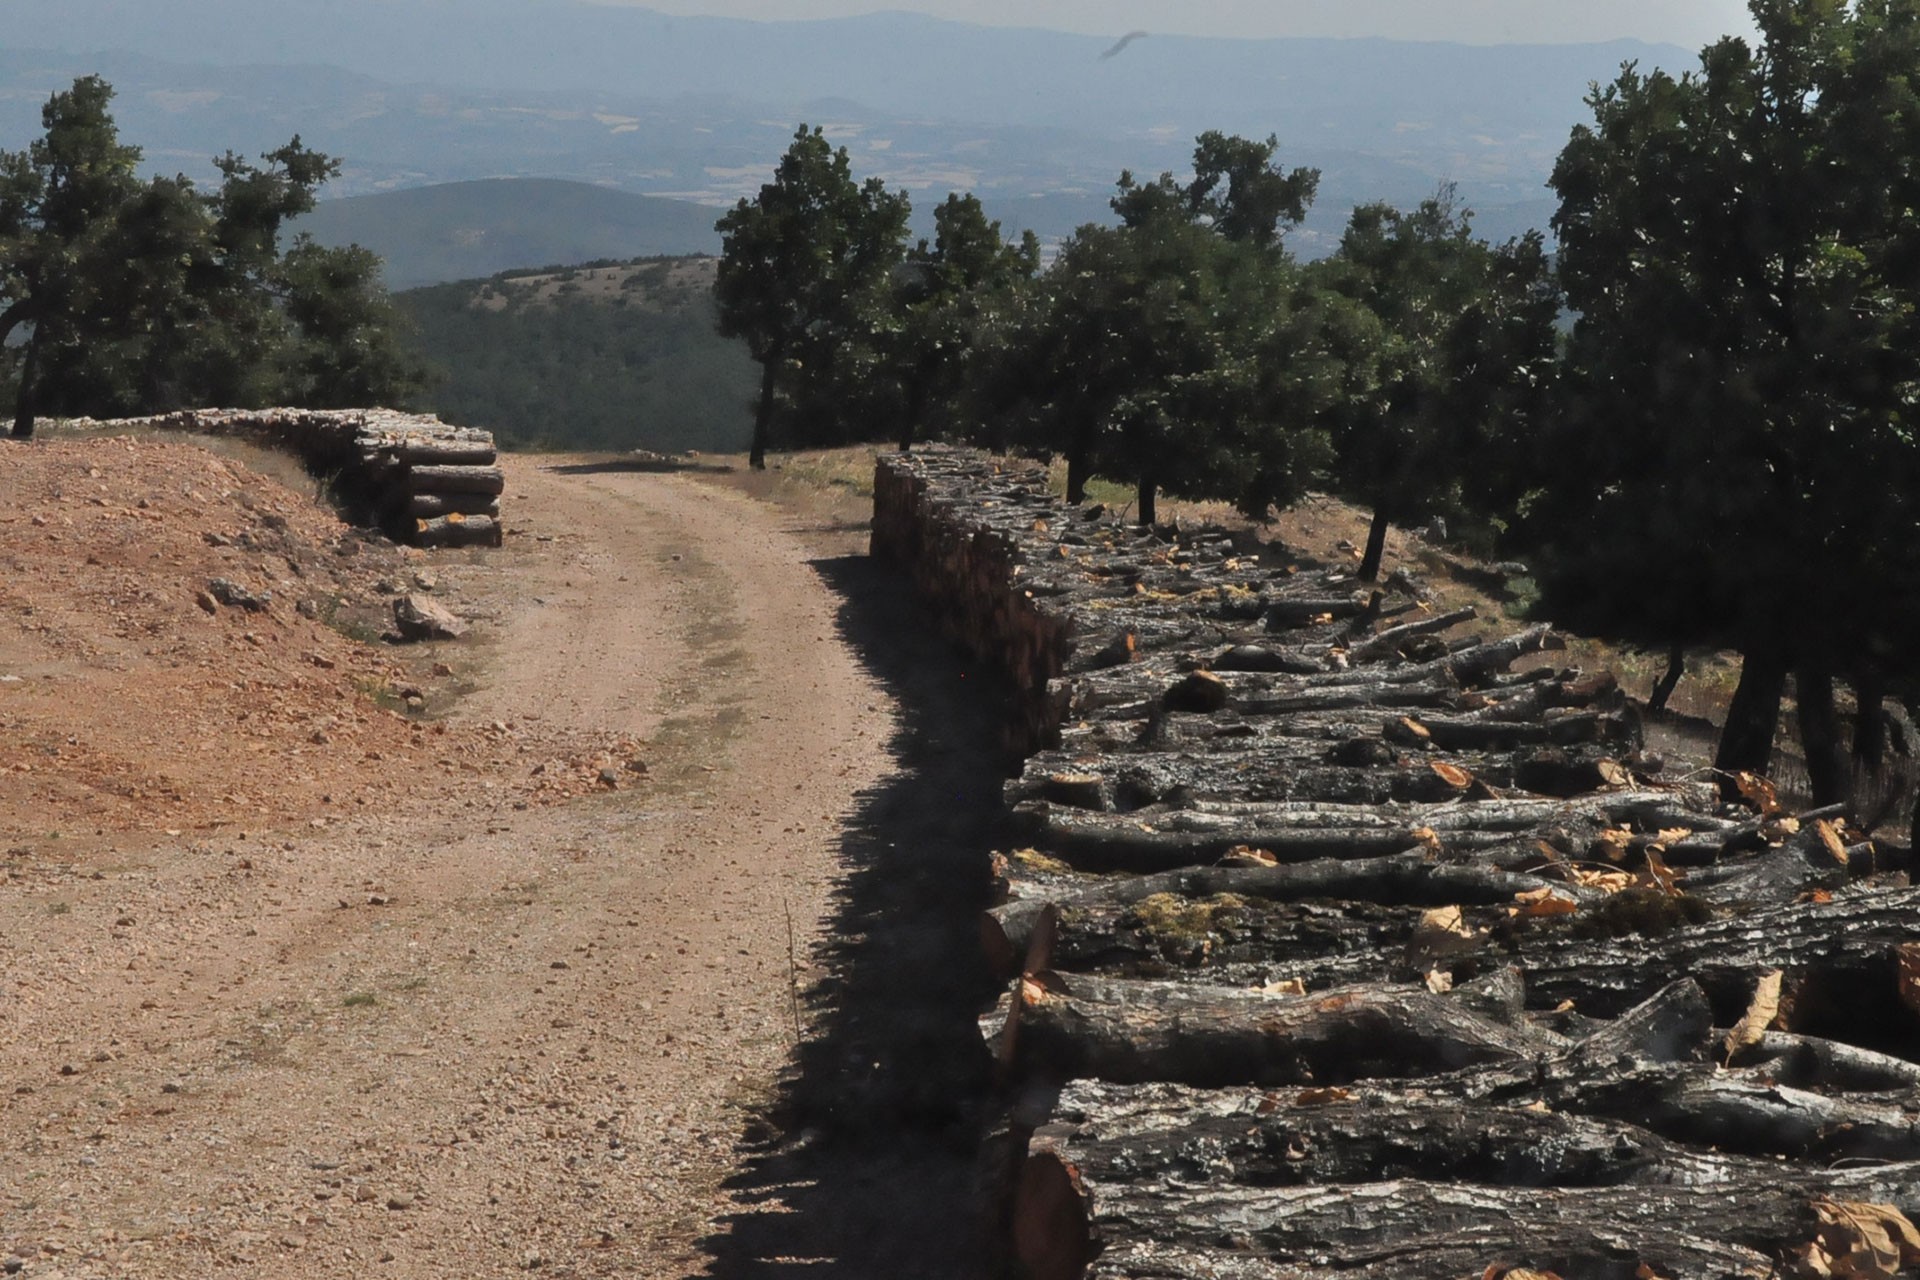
{"x":803,"y":267}
{"x":1739,"y":466}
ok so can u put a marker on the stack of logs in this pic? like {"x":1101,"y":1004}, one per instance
{"x":418,"y":478}
{"x":1350,"y":943}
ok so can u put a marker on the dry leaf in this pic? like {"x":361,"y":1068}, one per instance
{"x":1321,"y":1097}
{"x":1442,"y":932}
{"x":1032,"y":993}
{"x":1452,"y":774}
{"x":1760,"y":1014}
{"x":1906,"y":958}
{"x":1543,"y":902}
{"x":1518,"y":1273}
{"x":1427,"y":837}
{"x":1414,"y":727}
{"x":1290,"y":987}
{"x":1645,"y":1272}
{"x":1865,"y":1241}
{"x":1605,"y":881}
{"x":1613,"y":773}
{"x":1775,"y":831}
{"x":1758,"y":792}
{"x":1247,"y":856}
{"x":1830,"y":837}
{"x":1439,"y":981}
{"x":1612,"y":844}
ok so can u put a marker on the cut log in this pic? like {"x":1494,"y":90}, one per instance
{"x":1160,"y":838}
{"x":1411,"y":878}
{"x":1080,"y":1025}
{"x":456,"y":479}
{"x":426,"y":451}
{"x":457,"y":531}
{"x":1115,"y":1135}
{"x":1410,"y":1230}
{"x":429,"y":505}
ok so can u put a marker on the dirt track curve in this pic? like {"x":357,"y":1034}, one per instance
{"x":473,"y":1038}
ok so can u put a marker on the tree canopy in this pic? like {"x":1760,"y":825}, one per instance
{"x":142,"y":295}
{"x":1736,"y":457}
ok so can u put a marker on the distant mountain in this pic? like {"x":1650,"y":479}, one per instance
{"x":464,"y":230}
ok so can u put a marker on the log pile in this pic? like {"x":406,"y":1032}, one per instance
{"x":1350,"y":942}
{"x":419,"y":479}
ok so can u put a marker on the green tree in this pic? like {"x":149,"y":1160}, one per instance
{"x":1739,"y":466}
{"x":946,"y":294}
{"x":803,"y":268}
{"x":1167,"y":354}
{"x":1453,"y":374}
{"x":145,"y":295}
{"x":61,"y":203}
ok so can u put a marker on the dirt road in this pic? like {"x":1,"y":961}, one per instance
{"x":464,"y":1037}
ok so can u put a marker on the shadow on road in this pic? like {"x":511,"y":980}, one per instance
{"x":651,"y":464}
{"x":868,"y":1166}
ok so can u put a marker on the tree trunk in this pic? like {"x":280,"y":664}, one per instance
{"x":763,"y":416}
{"x":23,"y":408}
{"x":1869,"y":723}
{"x":1079,"y":471}
{"x":1148,"y":491}
{"x":1376,"y":547}
{"x":1746,"y":744}
{"x":1820,"y":735}
{"x":916,"y":406}
{"x":1676,"y":667}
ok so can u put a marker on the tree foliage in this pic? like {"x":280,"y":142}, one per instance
{"x":1450,"y":367}
{"x":142,"y":295}
{"x":1738,"y":461}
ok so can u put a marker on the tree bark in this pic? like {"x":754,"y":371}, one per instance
{"x":1827,"y":774}
{"x":1746,"y":744}
{"x":1676,"y":667}
{"x":1376,"y":547}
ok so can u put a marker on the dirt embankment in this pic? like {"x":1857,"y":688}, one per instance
{"x":301,"y":980}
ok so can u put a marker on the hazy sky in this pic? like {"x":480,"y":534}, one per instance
{"x":1691,"y":23}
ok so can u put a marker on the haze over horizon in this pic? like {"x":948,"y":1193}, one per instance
{"x":1692,"y":23}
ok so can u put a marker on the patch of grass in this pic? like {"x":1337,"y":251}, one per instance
{"x":360,"y":1000}
{"x":59,"y":908}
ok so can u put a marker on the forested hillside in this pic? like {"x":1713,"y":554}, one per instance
{"x":465,"y":230}
{"x":607,"y":356}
